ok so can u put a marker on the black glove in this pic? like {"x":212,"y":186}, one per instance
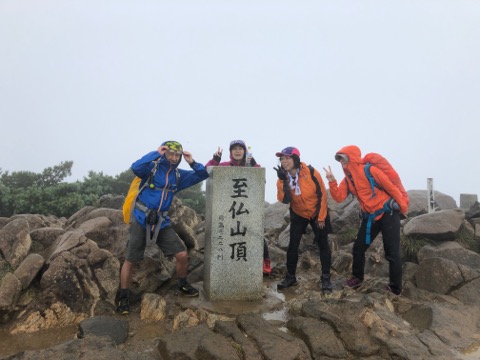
{"x":217,"y":157}
{"x":393,"y":205}
{"x":253,"y":162}
{"x":280,"y":173}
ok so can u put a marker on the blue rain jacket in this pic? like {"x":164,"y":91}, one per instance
{"x":166,"y":182}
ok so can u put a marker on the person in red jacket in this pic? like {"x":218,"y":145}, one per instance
{"x":380,"y":213}
{"x":307,"y":196}
{"x":240,"y":157}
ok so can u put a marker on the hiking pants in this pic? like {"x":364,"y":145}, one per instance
{"x":389,"y":225}
{"x":298,"y":225}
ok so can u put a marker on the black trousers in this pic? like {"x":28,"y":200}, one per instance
{"x":389,"y":225}
{"x":298,"y":225}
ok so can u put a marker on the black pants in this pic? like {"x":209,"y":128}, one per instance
{"x":389,"y":225}
{"x":298,"y":225}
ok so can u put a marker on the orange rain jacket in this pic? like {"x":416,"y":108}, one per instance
{"x":360,"y":186}
{"x":305,"y":204}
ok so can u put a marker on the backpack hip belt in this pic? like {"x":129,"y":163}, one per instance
{"x":161,"y":215}
{"x":370,"y":217}
{"x":161,"y":218}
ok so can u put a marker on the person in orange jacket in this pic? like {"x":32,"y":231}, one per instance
{"x":380,"y":213}
{"x":307,"y":197}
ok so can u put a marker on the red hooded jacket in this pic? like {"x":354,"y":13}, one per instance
{"x":356,"y":182}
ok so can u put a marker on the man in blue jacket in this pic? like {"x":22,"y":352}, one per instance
{"x":160,"y":181}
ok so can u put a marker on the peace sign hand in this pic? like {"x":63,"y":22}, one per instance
{"x":329,"y":174}
{"x":218,"y":155}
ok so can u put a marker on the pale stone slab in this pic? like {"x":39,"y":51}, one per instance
{"x":234,"y":229}
{"x":467,"y":200}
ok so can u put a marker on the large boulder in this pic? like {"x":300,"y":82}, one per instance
{"x":104,"y":226}
{"x":438,"y":275}
{"x":419,"y":205}
{"x":453,"y":251}
{"x":440,"y":225}
{"x":10,"y":288}
{"x":15,"y":241}
{"x":80,"y":280}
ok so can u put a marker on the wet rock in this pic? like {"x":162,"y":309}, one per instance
{"x":3,"y":221}
{"x":104,"y":226}
{"x":419,"y":316}
{"x":153,"y":307}
{"x":454,"y":324}
{"x":15,"y":241}
{"x":36,"y":221}
{"x":275,"y":218}
{"x":80,"y":274}
{"x":440,"y":225}
{"x":48,"y":316}
{"x":474,"y":211}
{"x":76,"y":219}
{"x":230,"y":330}
{"x":46,"y":236}
{"x":111,"y":201}
{"x":319,"y":337}
{"x":468,"y":293}
{"x":347,"y":216}
{"x":453,"y":251}
{"x":272,"y":342}
{"x":92,"y":347}
{"x":344,"y":317}
{"x":10,"y":288}
{"x":116,"y":330}
{"x":28,"y":269}
{"x":438,"y":275}
{"x":197,"y":342}
{"x":437,"y":349}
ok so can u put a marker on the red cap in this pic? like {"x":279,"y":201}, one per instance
{"x":288,"y":151}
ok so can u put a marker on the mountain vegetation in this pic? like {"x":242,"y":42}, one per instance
{"x":27,"y":192}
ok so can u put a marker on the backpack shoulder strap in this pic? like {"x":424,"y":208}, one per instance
{"x":177,"y":176}
{"x":318,"y":188}
{"x":370,"y":178}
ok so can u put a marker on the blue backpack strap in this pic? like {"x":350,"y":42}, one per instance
{"x":370,"y":178}
{"x":371,"y":218}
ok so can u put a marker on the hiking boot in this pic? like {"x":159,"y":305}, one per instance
{"x":123,"y":306}
{"x":188,"y":290}
{"x":353,"y":282}
{"x":290,"y":280}
{"x":267,"y":266}
{"x":326,"y":284}
{"x":393,"y":291}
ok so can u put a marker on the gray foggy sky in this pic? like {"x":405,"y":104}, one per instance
{"x":103,"y":82}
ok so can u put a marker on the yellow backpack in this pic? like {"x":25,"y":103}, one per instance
{"x":134,"y":190}
{"x":130,"y":199}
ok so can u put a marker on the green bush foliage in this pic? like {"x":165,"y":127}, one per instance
{"x":46,"y":193}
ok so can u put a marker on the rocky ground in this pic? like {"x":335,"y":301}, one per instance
{"x":143,"y":335}
{"x":63,"y":274}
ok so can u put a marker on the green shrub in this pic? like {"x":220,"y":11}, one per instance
{"x":347,"y":236}
{"x":410,"y":246}
{"x":467,"y":240}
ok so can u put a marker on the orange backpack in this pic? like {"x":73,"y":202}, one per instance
{"x":377,"y":160}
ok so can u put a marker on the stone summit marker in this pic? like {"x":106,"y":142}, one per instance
{"x":234,"y":229}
